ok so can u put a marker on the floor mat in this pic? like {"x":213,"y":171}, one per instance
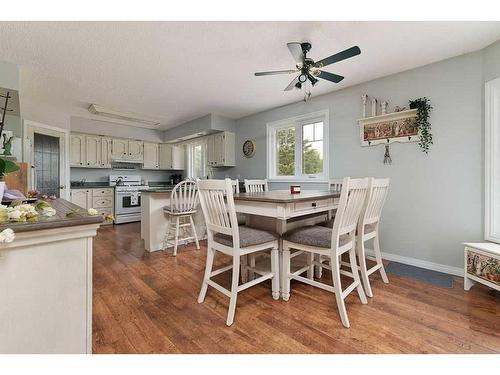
{"x":432,"y":277}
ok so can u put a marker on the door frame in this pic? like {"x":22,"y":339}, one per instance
{"x":29,"y":128}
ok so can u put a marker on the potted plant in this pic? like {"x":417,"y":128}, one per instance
{"x":6,"y":166}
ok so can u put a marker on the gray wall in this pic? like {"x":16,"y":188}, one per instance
{"x":435,"y":200}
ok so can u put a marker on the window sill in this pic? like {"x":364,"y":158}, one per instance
{"x":301,"y":180}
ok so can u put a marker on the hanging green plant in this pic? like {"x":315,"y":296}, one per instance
{"x":424,"y":108}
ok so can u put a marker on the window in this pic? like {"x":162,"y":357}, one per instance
{"x":297,"y":148}
{"x":196,"y":159}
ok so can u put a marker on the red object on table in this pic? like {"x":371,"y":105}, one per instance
{"x":294,"y":189}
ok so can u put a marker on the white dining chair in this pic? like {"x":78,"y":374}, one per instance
{"x":368,"y":228}
{"x":256,"y":186}
{"x":225,"y":236}
{"x":236,"y":186}
{"x":330,"y":243}
{"x":335,"y":184}
{"x":180,"y":212}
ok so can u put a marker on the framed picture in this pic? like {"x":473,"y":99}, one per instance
{"x":388,"y":128}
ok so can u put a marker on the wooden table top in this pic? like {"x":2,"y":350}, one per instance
{"x":79,"y":216}
{"x":284,"y":196}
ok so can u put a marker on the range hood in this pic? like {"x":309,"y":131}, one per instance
{"x":125,"y":165}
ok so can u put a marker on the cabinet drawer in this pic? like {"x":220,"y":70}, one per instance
{"x":102,"y":192}
{"x":105,"y":211}
{"x":311,"y":205}
{"x":102,"y":202}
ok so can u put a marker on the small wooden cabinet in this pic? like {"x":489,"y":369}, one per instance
{"x":151,"y":156}
{"x":220,"y":150}
{"x":101,"y":199}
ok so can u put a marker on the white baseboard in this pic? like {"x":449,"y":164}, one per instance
{"x":421,"y":263}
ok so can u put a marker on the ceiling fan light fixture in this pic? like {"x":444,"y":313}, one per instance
{"x":302,"y":78}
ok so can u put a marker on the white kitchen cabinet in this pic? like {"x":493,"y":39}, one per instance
{"x":150,"y":152}
{"x":77,"y":150}
{"x":171,"y":156}
{"x":220,"y":150}
{"x":101,"y":199}
{"x":93,"y":151}
{"x":106,"y":144}
{"x":82,"y":197}
{"x":135,"y":150}
{"x":119,"y":149}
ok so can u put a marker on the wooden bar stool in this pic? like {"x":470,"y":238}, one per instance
{"x":180,"y":213}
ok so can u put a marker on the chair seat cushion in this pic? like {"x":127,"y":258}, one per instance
{"x":248,"y":237}
{"x":368,"y":227}
{"x":314,"y":235}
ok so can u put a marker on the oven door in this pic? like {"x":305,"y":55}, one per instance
{"x":126,"y":204}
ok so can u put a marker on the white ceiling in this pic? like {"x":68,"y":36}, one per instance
{"x":178,"y":71}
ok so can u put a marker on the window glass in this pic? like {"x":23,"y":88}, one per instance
{"x":285,"y":144}
{"x":312,"y":149}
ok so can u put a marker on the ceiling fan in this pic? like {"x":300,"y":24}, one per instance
{"x":308,"y":69}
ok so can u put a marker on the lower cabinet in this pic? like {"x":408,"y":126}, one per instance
{"x":101,"y":199}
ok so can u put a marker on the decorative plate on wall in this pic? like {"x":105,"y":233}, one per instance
{"x":249,"y":148}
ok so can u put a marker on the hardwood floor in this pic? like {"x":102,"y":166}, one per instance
{"x":146,"y":303}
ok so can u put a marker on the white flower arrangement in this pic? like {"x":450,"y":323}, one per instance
{"x":93,"y":212}
{"x":18,"y":213}
{"x":7,"y":235}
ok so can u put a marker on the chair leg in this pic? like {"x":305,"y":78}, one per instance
{"x":208,"y":271}
{"x":286,"y":273}
{"x":378,"y":257}
{"x":169,"y":224}
{"x":318,"y":269}
{"x":337,"y":286}
{"x":363,"y":268}
{"x":275,"y":282}
{"x":310,"y":270}
{"x":355,"y":275}
{"x":244,"y":269}
{"x":251,"y":274}
{"x":234,"y":290}
{"x":176,"y":235}
{"x":193,"y":228}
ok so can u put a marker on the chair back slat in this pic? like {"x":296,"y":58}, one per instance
{"x":335,"y":184}
{"x":236,"y":186}
{"x":217,"y":204}
{"x":184,"y":196}
{"x":256,"y":186}
{"x":352,"y":198}
{"x":375,"y":201}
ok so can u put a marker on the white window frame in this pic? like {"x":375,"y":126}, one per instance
{"x":298,"y":122}
{"x":190,"y":149}
{"x":492,"y":158}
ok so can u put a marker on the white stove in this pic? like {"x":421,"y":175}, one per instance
{"x":127,"y":197}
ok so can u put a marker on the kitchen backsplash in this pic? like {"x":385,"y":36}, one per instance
{"x":101,"y":175}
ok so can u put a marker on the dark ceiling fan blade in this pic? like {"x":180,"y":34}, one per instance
{"x":329,"y":76}
{"x":292,"y":84}
{"x":296,"y":51}
{"x":272,"y":72}
{"x":350,"y":52}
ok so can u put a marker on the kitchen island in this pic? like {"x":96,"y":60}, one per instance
{"x":154,"y":221}
{"x":46,"y":283}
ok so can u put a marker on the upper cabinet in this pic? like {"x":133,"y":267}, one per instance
{"x":135,"y":149}
{"x":93,"y":151}
{"x":119,"y":149}
{"x":151,"y":156}
{"x":171,"y":156}
{"x":220,"y":150}
{"x":106,"y":145}
{"x":77,"y":150}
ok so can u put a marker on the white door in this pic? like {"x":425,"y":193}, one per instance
{"x":77,"y":150}
{"x":119,"y":148}
{"x":93,"y":151}
{"x":47,"y":154}
{"x":135,"y":150}
{"x":150,"y":155}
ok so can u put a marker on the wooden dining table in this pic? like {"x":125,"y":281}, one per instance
{"x":277,"y":209}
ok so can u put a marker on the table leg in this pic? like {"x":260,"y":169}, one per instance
{"x":281,"y":229}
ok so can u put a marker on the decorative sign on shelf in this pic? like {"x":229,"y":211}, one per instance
{"x":388,"y":128}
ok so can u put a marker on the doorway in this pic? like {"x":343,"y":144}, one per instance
{"x":45,"y":148}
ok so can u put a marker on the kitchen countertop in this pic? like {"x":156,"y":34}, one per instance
{"x":157,"y":189}
{"x":59,"y":220}
{"x":90,"y":185}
